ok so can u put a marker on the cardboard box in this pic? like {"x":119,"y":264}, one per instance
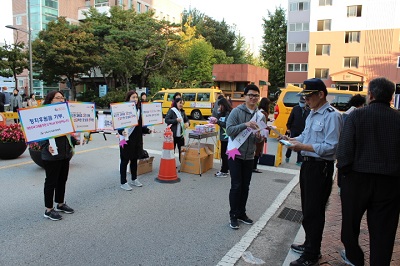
{"x":145,"y":165}
{"x":194,"y":156}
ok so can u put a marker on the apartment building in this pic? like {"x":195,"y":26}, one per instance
{"x":44,"y":11}
{"x":345,"y":43}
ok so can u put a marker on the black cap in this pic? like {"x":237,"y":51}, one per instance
{"x":313,"y":85}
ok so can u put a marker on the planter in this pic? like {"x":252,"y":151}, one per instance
{"x":36,"y":157}
{"x":11,"y":150}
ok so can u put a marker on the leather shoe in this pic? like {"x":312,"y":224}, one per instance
{"x":257,"y":171}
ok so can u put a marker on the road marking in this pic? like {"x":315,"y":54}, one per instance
{"x":234,"y":254}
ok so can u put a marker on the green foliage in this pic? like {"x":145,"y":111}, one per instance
{"x":13,"y":60}
{"x":273,"y":51}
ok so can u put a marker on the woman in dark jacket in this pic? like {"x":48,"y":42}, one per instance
{"x":178,"y":120}
{"x":264,"y":108}
{"x":133,"y":149}
{"x":224,"y":108}
{"x":56,"y":167}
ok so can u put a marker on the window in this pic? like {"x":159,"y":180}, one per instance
{"x":398,"y":62}
{"x":325,"y":2}
{"x":139,"y":7}
{"x":352,"y":36}
{"x":298,"y":84}
{"x":298,"y":47}
{"x":299,"y":6}
{"x":204,"y":97}
{"x":354,"y":11}
{"x":323,"y":49}
{"x":299,"y":26}
{"x":297,"y":67}
{"x":147,"y":8}
{"x":18,"y":20}
{"x":322,"y":73}
{"x":351,"y":62}
{"x":160,"y":96}
{"x":189,"y":97}
{"x":98,"y":3}
{"x":324,"y":25}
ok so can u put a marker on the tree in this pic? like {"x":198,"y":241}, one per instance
{"x":273,"y":50}
{"x":14,"y":59}
{"x":64,"y":51}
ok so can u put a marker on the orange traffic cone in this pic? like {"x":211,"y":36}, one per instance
{"x":167,"y":173}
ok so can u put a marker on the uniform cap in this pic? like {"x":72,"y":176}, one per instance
{"x":313,"y":85}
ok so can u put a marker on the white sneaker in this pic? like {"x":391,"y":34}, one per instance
{"x":136,"y":183}
{"x":221,"y":174}
{"x":126,"y":187}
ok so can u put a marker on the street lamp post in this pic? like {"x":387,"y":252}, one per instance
{"x":29,"y":32}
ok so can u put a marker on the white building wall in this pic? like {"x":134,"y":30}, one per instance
{"x":297,"y":17}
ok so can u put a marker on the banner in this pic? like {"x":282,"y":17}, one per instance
{"x":83,"y":116}
{"x":151,"y":114}
{"x":46,"y":121}
{"x":124,"y":115}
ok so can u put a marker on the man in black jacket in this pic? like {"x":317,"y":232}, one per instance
{"x":295,"y":125}
{"x":2,"y":101}
{"x":368,"y":159}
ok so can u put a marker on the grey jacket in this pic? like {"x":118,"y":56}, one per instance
{"x":236,"y":124}
{"x":15,"y":101}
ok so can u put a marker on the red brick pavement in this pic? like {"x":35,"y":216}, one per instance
{"x":331,"y":244}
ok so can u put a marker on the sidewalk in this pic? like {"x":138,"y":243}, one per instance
{"x":331,"y":244}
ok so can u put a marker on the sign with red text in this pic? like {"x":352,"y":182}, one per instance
{"x":83,"y":116}
{"x":151,"y":114}
{"x":124,"y":115}
{"x":46,"y":121}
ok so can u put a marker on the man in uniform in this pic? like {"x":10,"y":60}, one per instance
{"x":317,"y":143}
{"x":368,"y":161}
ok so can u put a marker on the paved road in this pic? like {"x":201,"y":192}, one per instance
{"x":158,"y":224}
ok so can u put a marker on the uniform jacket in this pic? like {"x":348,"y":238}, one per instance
{"x":370,"y":141}
{"x":170,"y":119}
{"x":235,"y":125}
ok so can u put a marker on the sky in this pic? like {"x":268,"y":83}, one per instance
{"x":6,"y":19}
{"x":245,"y":15}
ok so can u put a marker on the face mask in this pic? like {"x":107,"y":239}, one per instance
{"x":302,"y":105}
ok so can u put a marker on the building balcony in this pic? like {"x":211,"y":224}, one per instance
{"x":104,"y":8}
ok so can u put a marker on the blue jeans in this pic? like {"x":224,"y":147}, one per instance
{"x":240,"y":171}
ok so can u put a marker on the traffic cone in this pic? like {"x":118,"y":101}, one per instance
{"x":167,"y":173}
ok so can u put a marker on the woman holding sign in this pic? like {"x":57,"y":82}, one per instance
{"x":178,"y":120}
{"x":56,"y":154}
{"x":131,"y":145}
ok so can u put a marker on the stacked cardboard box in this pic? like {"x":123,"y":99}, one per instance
{"x":194,"y":156}
{"x":145,"y":165}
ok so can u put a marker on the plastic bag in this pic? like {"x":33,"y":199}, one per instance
{"x":249,"y":258}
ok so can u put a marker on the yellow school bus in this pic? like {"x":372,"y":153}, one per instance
{"x":198,"y":102}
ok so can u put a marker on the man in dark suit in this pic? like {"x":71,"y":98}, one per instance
{"x":369,"y":161}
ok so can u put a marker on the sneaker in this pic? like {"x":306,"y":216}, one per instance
{"x":287,"y":160}
{"x":304,"y":262}
{"x":297,"y":248}
{"x":246,"y":220}
{"x":136,"y":183}
{"x":234,"y":224}
{"x":299,"y":163}
{"x":64,"y":208}
{"x":217,"y":173}
{"x":300,"y":249}
{"x":52,"y":215}
{"x":345,"y":259}
{"x":221,"y":174}
{"x":126,"y":187}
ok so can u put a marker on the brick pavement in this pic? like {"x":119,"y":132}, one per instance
{"x":331,"y":244}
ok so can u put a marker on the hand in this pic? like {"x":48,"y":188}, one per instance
{"x":296,"y":146}
{"x":51,"y":150}
{"x":124,"y":133}
{"x":179,"y":120}
{"x":186,"y":125}
{"x":287,"y":132}
{"x":282,"y":137}
{"x":252,"y":125}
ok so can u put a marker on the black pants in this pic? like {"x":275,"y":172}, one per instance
{"x":315,"y":187}
{"x":15,"y":109}
{"x":56,"y":178}
{"x":241,"y":171}
{"x":379,"y":195}
{"x":179,"y":141}
{"x":123,"y":167}
{"x":224,"y":157}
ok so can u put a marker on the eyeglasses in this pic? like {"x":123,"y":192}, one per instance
{"x":253,"y":95}
{"x":59,"y":98}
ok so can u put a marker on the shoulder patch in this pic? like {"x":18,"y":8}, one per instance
{"x":330,"y":109}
